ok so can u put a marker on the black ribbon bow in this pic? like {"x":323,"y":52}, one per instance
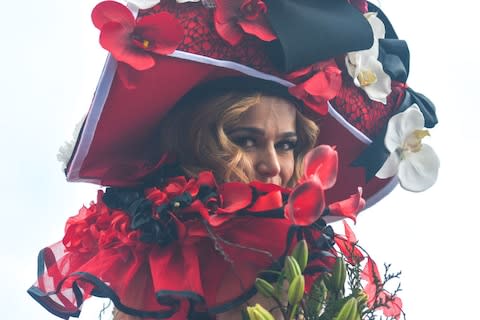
{"x":309,"y":31}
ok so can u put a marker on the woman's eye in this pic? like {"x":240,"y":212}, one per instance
{"x":244,"y":142}
{"x":286,"y":145}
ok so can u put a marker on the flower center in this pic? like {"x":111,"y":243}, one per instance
{"x":366,"y":78}
{"x":413,"y":143}
{"x":139,"y":42}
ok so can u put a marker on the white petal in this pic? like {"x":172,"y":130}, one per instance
{"x":419,"y":170}
{"x":401,"y":125}
{"x":377,"y":25}
{"x":390,"y":167}
{"x":144,"y":4}
{"x":379,"y":90}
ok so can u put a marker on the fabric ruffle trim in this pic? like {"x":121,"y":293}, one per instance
{"x":188,"y":250}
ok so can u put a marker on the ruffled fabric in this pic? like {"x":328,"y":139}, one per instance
{"x":187,"y":250}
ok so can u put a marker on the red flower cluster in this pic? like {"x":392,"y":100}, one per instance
{"x":98,"y":227}
{"x":321,"y":82}
{"x":131,"y":41}
{"x":233,"y":18}
{"x":307,"y":203}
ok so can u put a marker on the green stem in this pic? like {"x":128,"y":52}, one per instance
{"x":293,"y":312}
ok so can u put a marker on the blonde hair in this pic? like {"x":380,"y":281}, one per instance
{"x":195,"y":131}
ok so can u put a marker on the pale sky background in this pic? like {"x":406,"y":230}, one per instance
{"x":50,"y":64}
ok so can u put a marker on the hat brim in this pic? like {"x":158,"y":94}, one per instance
{"x":116,"y":144}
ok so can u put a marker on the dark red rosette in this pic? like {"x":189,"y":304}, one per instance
{"x":234,"y":18}
{"x":131,"y":41}
{"x":319,"y":83}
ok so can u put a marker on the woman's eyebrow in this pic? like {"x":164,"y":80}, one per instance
{"x":260,"y":132}
{"x":251,"y":130}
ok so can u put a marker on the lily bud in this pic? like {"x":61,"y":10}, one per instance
{"x":296,"y":290}
{"x":339,"y":274}
{"x":300,"y":253}
{"x":292,"y":269}
{"x":259,"y":313}
{"x":264,"y":287}
{"x":349,"y":310}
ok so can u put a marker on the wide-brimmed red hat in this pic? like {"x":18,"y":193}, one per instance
{"x":341,"y":58}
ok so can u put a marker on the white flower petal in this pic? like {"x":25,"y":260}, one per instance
{"x":401,"y":125}
{"x":144,"y":4}
{"x":377,"y":25}
{"x":419,"y":170}
{"x":353,"y":61}
{"x":390,"y":167}
{"x":379,"y":90}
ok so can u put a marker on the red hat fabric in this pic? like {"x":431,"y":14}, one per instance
{"x":114,"y":146}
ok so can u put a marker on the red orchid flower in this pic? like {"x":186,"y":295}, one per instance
{"x":322,"y":82}
{"x":391,"y":306}
{"x":306,"y":203}
{"x":131,"y":41}
{"x":347,"y":245}
{"x":233,"y":18}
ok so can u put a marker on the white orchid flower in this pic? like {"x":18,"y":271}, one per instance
{"x":144,"y":4}
{"x":415,"y":163}
{"x":365,"y":69}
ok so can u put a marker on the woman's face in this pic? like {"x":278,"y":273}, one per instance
{"x":266,"y":133}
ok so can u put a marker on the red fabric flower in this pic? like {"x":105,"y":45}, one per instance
{"x":321,"y":82}
{"x":391,"y":306}
{"x":98,"y":227}
{"x":233,"y":18}
{"x":131,"y":41}
{"x":347,"y":245}
{"x":306,"y":203}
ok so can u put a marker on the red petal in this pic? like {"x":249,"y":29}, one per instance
{"x":267,"y":187}
{"x":299,"y":73}
{"x":351,"y":252}
{"x":229,"y":32}
{"x":235,"y":196}
{"x":322,"y":163}
{"x":111,"y":11}
{"x":370,"y":273}
{"x":163,"y":31}
{"x":270,"y":201}
{"x":114,"y":37}
{"x":305,"y":204}
{"x":348,"y":208}
{"x":127,"y":75}
{"x":206,"y":178}
{"x":393,"y":308}
{"x":258,"y":28}
{"x":324,"y":84}
{"x":349,"y":232}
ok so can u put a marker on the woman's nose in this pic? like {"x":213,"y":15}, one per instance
{"x":268,"y":164}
